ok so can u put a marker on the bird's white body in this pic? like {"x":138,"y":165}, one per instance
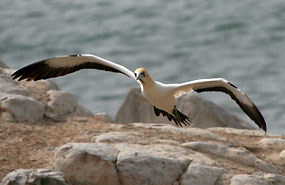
{"x":161,"y":96}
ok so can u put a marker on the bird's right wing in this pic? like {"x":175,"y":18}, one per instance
{"x":60,"y":66}
{"x":222,"y":85}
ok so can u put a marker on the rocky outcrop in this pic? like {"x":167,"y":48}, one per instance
{"x":203,"y":113}
{"x":88,"y":163}
{"x":231,"y":153}
{"x":142,"y":154}
{"x":63,"y":103}
{"x":34,"y":177}
{"x":160,"y":154}
{"x":21,"y":108}
{"x":35,"y":101}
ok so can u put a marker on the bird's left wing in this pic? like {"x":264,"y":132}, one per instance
{"x":222,"y":85}
{"x":60,"y":66}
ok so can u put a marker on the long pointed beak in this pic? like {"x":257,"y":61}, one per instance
{"x":139,"y":77}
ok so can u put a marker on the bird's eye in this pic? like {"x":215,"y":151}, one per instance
{"x":135,"y":74}
{"x":143,"y":73}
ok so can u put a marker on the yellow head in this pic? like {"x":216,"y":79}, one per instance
{"x":142,"y":75}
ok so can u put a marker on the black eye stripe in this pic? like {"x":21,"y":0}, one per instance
{"x":143,"y":73}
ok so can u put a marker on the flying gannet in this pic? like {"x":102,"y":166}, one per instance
{"x":161,"y":96}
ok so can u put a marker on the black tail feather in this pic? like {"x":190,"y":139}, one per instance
{"x":178,"y":117}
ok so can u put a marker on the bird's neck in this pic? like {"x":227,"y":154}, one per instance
{"x":148,"y":82}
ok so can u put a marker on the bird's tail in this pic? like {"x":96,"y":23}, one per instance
{"x":178,"y":117}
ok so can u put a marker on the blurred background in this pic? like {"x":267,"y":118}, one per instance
{"x":242,"y":41}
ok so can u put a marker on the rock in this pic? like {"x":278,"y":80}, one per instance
{"x":2,"y":64}
{"x":248,"y":180}
{"x":88,"y":163}
{"x":22,"y":108}
{"x":256,"y":179}
{"x":151,"y":164}
{"x":62,"y":104}
{"x":194,"y":132}
{"x":242,"y":132}
{"x":282,"y":154}
{"x":200,"y":174}
{"x":30,"y":101}
{"x":136,"y":109}
{"x":275,"y":179}
{"x":34,"y":177}
{"x":203,"y":113}
{"x":104,"y":117}
{"x":39,"y":89}
{"x":237,"y":155}
{"x":272,"y":142}
{"x":116,"y":137}
{"x":8,"y":86}
{"x":129,"y":164}
{"x":275,"y":145}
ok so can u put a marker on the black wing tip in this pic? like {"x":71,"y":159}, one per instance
{"x":258,"y":119}
{"x":34,"y":71}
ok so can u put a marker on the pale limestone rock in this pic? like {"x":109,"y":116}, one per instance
{"x":116,"y":137}
{"x":128,"y":164}
{"x":9,"y":86}
{"x":43,"y":95}
{"x":88,"y":163}
{"x":248,"y":180}
{"x":282,"y":154}
{"x":257,"y":179}
{"x":104,"y":117}
{"x":151,"y":164}
{"x":165,"y":141}
{"x":275,"y":179}
{"x":34,"y":177}
{"x":272,"y":142}
{"x":224,"y":179}
{"x":62,"y":104}
{"x":200,"y":174}
{"x":238,"y":131}
{"x":238,"y":155}
{"x":203,"y":113}
{"x":195,"y":132}
{"x":22,"y":108}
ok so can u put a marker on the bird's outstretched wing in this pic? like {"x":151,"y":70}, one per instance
{"x":60,"y":66}
{"x":222,"y":85}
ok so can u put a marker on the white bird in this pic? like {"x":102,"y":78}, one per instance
{"x":161,"y":96}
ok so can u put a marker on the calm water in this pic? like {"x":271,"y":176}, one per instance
{"x":242,"y":41}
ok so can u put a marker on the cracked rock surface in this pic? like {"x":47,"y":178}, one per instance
{"x":34,"y":177}
{"x":142,"y":155}
{"x":90,"y":151}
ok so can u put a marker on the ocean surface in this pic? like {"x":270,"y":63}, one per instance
{"x":242,"y":41}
